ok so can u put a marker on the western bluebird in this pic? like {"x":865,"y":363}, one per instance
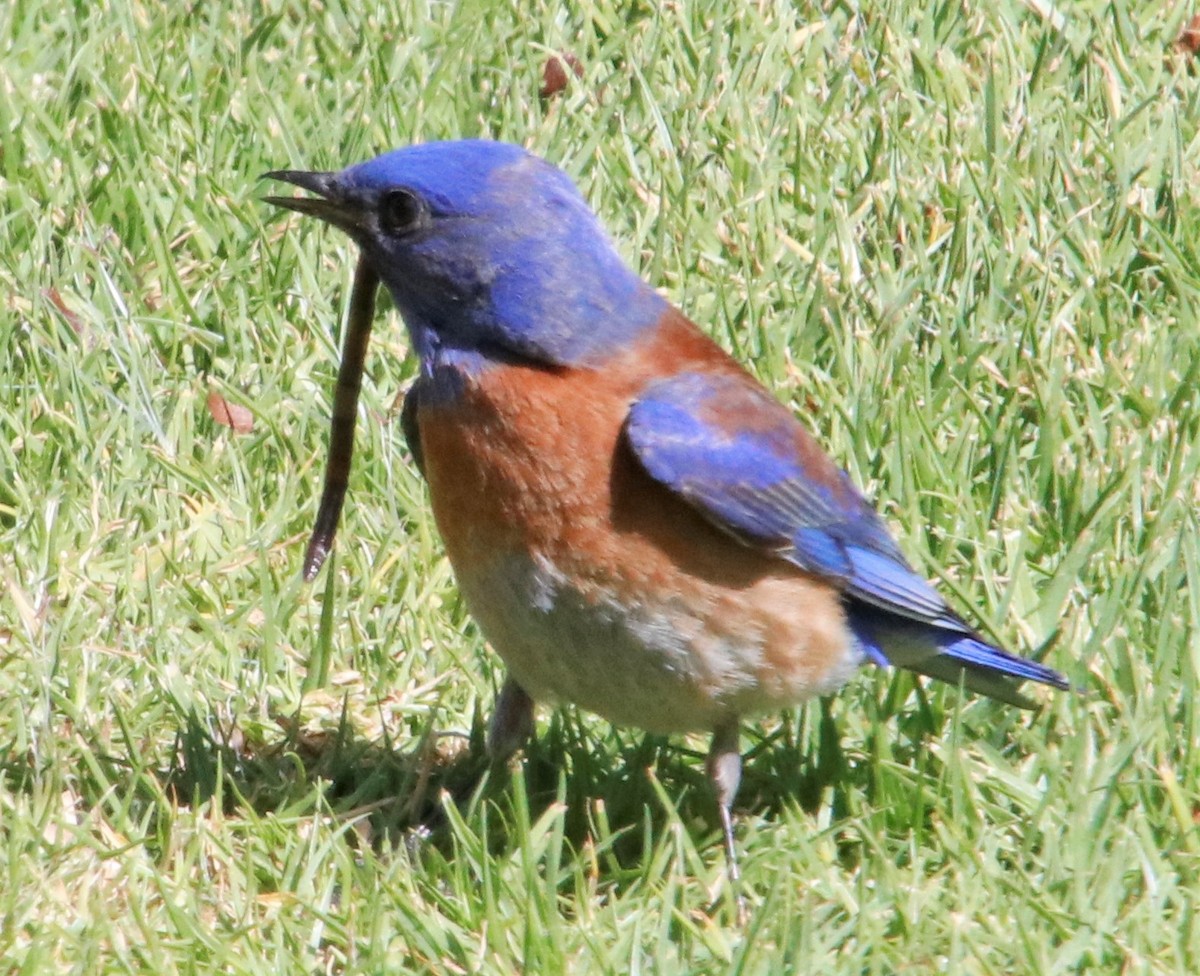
{"x":636,"y":524}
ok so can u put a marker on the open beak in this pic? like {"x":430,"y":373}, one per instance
{"x":329,"y":204}
{"x":332,"y":204}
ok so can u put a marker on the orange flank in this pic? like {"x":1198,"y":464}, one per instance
{"x":529,"y":474}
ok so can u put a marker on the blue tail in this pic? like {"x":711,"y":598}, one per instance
{"x":951,"y":656}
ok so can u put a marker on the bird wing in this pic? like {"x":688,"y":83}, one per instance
{"x":410,"y":427}
{"x":737,"y":455}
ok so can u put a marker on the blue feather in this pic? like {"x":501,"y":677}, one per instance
{"x":741,"y":459}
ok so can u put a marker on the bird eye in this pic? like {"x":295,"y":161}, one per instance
{"x":400,"y":212}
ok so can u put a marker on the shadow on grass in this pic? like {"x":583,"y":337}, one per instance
{"x":399,"y":792}
{"x":396,"y":789}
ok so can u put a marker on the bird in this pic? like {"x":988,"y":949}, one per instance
{"x":637,"y":525}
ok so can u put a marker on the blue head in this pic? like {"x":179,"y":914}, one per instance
{"x":487,"y":250}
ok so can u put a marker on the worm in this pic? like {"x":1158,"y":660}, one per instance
{"x":345,"y":410}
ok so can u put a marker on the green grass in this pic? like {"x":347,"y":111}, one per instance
{"x":961,"y":241}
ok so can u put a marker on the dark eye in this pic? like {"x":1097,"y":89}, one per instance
{"x":400,"y":212}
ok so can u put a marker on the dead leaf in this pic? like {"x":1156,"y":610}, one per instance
{"x":1189,"y":38}
{"x":73,"y":320}
{"x":229,"y":414}
{"x":554,"y":73}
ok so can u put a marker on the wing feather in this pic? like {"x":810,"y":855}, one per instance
{"x":738,"y":456}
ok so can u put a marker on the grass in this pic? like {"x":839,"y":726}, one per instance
{"x":961,"y":241}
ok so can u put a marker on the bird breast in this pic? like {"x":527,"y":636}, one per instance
{"x":599,"y":586}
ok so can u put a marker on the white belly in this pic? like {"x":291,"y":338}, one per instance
{"x":684,"y":660}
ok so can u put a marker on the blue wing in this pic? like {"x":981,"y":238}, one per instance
{"x":740,"y":458}
{"x":410,"y":427}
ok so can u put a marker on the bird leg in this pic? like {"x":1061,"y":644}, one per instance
{"x":512,"y":722}
{"x":345,"y":408}
{"x":724,"y":768}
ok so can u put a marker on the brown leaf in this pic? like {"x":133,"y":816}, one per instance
{"x":1189,"y":38}
{"x":56,"y":300}
{"x":229,"y":414}
{"x":554,"y":73}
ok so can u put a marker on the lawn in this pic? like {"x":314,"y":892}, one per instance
{"x":961,"y":242}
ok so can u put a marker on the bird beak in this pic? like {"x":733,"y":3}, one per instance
{"x":329,"y":204}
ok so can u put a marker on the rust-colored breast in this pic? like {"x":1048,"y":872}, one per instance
{"x":529,"y":457}
{"x":527,"y":468}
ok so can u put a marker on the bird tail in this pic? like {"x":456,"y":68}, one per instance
{"x":956,"y":658}
{"x":987,"y":670}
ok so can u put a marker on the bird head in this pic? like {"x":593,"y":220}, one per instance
{"x":486,"y":250}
